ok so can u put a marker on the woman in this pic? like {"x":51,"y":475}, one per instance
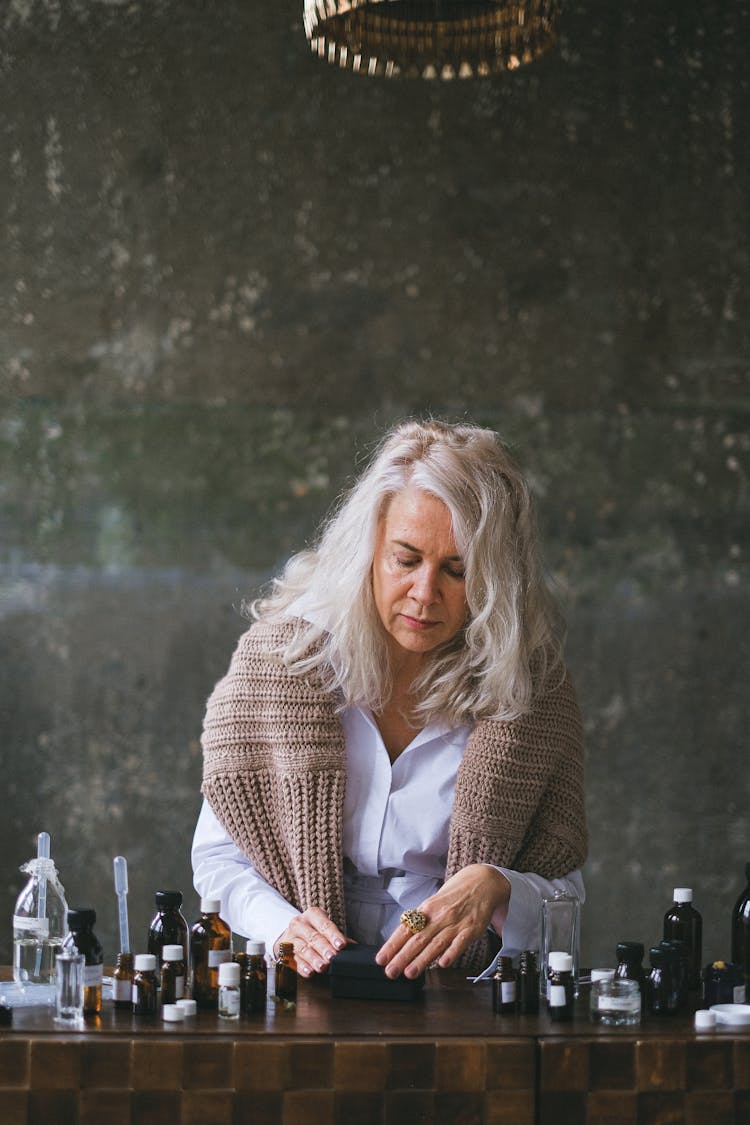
{"x":394,"y":756}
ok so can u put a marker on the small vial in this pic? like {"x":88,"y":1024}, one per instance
{"x":286,"y":972}
{"x":145,"y":1000}
{"x":172,"y":974}
{"x":660,"y":996}
{"x":504,"y":1001}
{"x":561,"y":987}
{"x":122,"y":982}
{"x":229,"y":990}
{"x":528,"y":984}
{"x":256,"y":978}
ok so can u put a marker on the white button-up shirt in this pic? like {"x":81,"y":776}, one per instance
{"x":395,"y":841}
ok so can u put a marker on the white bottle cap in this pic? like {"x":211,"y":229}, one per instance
{"x":173,"y":953}
{"x":704,"y":1019}
{"x":210,"y":905}
{"x":229,"y":973}
{"x":683,"y":894}
{"x":256,"y":948}
{"x":172,"y":1013}
{"x":189,"y":1007}
{"x":601,"y":974}
{"x":560,"y":962}
{"x":145,"y":962}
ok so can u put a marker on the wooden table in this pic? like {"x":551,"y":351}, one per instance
{"x":446,"y":1059}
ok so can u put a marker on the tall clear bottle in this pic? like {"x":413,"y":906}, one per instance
{"x":741,"y":934}
{"x":682,"y":922}
{"x":210,"y":946}
{"x":39,"y":923}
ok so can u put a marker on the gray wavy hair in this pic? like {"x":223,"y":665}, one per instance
{"x":512,"y":639}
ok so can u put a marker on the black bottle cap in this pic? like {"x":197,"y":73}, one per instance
{"x":79,"y":916}
{"x":657,"y":954}
{"x":675,"y":946}
{"x":630,"y":951}
{"x":172,"y":900}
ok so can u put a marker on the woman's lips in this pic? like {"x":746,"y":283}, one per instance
{"x":418,"y":623}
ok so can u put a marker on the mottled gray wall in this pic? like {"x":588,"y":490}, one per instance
{"x":225,"y":267}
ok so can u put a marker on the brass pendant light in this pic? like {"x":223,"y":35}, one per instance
{"x":431,"y":38}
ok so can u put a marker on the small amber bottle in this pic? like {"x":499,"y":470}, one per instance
{"x":145,"y":1001}
{"x":122,"y":982}
{"x":561,"y":987}
{"x":172,"y":974}
{"x":82,"y":938}
{"x":286,"y":973}
{"x":210,"y":946}
{"x":168,"y":927}
{"x":504,"y":1000}
{"x":256,"y":979}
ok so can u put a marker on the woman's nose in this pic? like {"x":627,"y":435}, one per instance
{"x":424,"y":587}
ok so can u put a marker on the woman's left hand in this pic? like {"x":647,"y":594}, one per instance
{"x":457,"y":915}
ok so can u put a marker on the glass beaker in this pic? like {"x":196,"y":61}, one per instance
{"x":560,"y":927}
{"x":69,"y":980}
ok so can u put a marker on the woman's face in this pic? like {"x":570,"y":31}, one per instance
{"x":418,"y":574}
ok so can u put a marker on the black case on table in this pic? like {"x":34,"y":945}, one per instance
{"x":353,"y":973}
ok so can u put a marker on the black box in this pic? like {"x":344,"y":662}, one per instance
{"x":353,"y":973}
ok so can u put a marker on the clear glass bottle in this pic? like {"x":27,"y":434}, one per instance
{"x":229,"y":990}
{"x":741,"y":937}
{"x":145,"y":986}
{"x":39,"y":923}
{"x":561,"y":986}
{"x":210,"y":947}
{"x":168,"y":927}
{"x":528,"y":984}
{"x":560,"y":933}
{"x":172,"y":974}
{"x":286,"y":973}
{"x":122,"y":982}
{"x":682,"y":922}
{"x":504,"y":988}
{"x":81,"y":937}
{"x":256,"y":978}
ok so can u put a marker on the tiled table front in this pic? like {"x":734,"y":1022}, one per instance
{"x":447,"y":1058}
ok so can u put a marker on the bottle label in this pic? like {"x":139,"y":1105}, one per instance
{"x":229,"y":1001}
{"x":557,"y":996}
{"x":37,"y":926}
{"x":218,"y":957}
{"x":92,"y":975}
{"x":619,"y":1003}
{"x":738,"y":994}
{"x":508,"y":991}
{"x":179,"y":988}
{"x":121,"y":989}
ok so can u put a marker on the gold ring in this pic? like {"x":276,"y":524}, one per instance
{"x":414,"y":920}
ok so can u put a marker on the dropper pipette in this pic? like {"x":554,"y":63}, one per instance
{"x":42,"y":852}
{"x":121,"y":887}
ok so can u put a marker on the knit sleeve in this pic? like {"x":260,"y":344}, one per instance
{"x":520,"y":794}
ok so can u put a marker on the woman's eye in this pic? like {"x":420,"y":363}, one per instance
{"x":456,"y":573}
{"x":405,"y":563}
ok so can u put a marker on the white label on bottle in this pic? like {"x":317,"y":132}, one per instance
{"x":739,"y":994}
{"x":179,"y":988}
{"x":557,"y":996}
{"x":619,"y":1003}
{"x":218,"y":957}
{"x":121,"y":989}
{"x":508,"y":991}
{"x":134,"y":995}
{"x":92,"y":975}
{"x":37,"y":926}
{"x":229,"y":1002}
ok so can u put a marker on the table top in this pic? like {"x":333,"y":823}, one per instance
{"x":450,"y":1006}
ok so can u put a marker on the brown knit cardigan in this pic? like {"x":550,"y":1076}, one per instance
{"x":274,"y":773}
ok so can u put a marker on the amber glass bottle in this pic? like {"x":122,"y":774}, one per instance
{"x":82,"y":937}
{"x":286,"y":972}
{"x":145,"y":999}
{"x":741,"y":933}
{"x":528,"y":984}
{"x":172,"y":974}
{"x":504,"y":988}
{"x":122,"y":982}
{"x":682,"y":922}
{"x":210,"y":946}
{"x":168,"y":927}
{"x":256,"y":979}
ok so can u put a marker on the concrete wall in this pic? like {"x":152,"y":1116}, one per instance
{"x":225,"y":267}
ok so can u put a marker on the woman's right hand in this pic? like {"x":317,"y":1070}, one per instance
{"x":316,"y":940}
